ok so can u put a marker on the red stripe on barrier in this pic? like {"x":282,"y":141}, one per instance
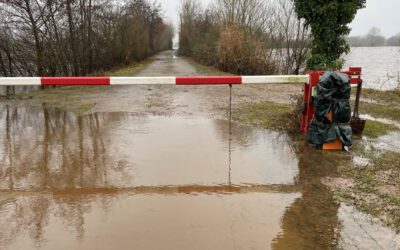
{"x":71,"y":81}
{"x":208,"y":80}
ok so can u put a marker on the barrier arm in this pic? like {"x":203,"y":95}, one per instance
{"x":181,"y":80}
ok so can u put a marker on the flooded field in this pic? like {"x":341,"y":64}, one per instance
{"x":122,"y":181}
{"x":381,"y":66}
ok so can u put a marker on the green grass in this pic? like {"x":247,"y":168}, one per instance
{"x":69,"y":98}
{"x":367,"y":194}
{"x":384,"y":160}
{"x":375,"y":129}
{"x":381,"y":111}
{"x":391,"y":97}
{"x":73,"y":98}
{"x":367,"y":182}
{"x":267,"y":115}
{"x":129,"y":70}
{"x":206,"y":69}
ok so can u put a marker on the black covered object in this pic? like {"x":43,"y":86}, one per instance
{"x":333,"y":94}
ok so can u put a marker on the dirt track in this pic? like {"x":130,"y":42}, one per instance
{"x":210,"y":101}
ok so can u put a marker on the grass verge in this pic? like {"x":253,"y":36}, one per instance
{"x":389,"y":97}
{"x":375,"y":129}
{"x":77,"y":98}
{"x":266,"y":115}
{"x":206,"y":69}
{"x":129,"y":70}
{"x":376,"y":188}
{"x":391,"y":112}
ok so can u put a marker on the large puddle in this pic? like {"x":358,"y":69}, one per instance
{"x":119,"y":181}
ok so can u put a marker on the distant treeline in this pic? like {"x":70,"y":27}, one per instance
{"x":374,"y":38}
{"x":244,"y":37}
{"x":77,"y":38}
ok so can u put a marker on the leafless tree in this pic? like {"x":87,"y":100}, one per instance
{"x":69,"y":37}
{"x":249,"y":37}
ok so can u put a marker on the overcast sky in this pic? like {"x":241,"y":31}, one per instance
{"x":384,"y":14}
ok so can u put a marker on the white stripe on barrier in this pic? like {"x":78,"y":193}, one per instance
{"x":142,"y":80}
{"x":275,"y":79}
{"x":20,"y":81}
{"x":196,"y":80}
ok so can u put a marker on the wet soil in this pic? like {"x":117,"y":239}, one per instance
{"x":162,"y":168}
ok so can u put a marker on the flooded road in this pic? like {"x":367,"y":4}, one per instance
{"x":122,"y":181}
{"x":161,"y":168}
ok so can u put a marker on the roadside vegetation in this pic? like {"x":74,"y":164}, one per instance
{"x":391,"y":97}
{"x":329,"y":23}
{"x":244,"y":37}
{"x":78,"y":38}
{"x":267,"y":37}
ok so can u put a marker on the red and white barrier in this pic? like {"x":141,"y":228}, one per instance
{"x":182,"y":80}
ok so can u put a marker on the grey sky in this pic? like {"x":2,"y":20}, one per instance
{"x":384,"y":14}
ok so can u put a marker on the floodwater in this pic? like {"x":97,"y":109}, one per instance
{"x":120,"y":181}
{"x":381,"y":66}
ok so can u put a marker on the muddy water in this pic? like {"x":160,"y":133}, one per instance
{"x":120,"y":181}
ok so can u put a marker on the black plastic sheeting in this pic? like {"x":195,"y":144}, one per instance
{"x":333,"y":93}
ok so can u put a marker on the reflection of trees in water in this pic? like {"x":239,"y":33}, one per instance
{"x":245,"y":136}
{"x":7,"y":91}
{"x":30,"y":215}
{"x":53,"y":150}
{"x":24,"y":216}
{"x":311,"y":222}
{"x":50,"y":150}
{"x":241,"y":135}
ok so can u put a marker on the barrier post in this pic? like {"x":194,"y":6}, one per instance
{"x":308,"y":112}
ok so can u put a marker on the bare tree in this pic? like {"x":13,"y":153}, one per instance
{"x":68,"y":37}
{"x":375,"y":38}
{"x":252,"y":36}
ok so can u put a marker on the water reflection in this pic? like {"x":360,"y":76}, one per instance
{"x":7,"y":91}
{"x":52,"y":150}
{"x":312,"y":220}
{"x":119,"y":181}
